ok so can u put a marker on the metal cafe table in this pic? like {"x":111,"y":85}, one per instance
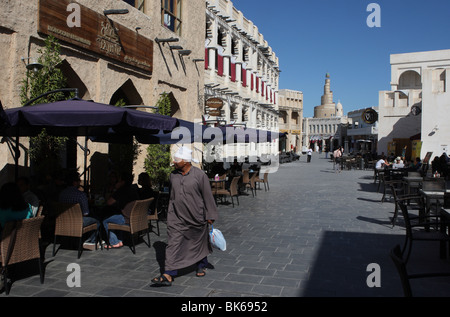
{"x":412,"y":182}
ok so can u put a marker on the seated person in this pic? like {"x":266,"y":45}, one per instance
{"x":398,"y":163}
{"x":146,"y":191}
{"x":381,"y":163}
{"x":73,"y":195}
{"x":416,"y":165}
{"x":12,"y":204}
{"x":125,"y":193}
{"x":28,"y":195}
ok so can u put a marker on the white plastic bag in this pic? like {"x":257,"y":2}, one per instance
{"x":217,"y":239}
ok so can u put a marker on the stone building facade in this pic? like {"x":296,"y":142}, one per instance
{"x":290,"y":106}
{"x":242,"y":70}
{"x":109,"y":56}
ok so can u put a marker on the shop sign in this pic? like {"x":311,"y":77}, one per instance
{"x":415,"y":110}
{"x":369,"y":116}
{"x":214,"y":112}
{"x":215,"y":103}
{"x":96,"y":33}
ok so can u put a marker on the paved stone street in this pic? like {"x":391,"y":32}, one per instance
{"x":313,"y":234}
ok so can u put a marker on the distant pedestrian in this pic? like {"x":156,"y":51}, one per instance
{"x":337,"y":154}
{"x":308,"y":155}
{"x":191,"y":208}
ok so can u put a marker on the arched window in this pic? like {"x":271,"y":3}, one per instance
{"x":409,"y":80}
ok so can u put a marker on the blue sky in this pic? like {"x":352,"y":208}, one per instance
{"x":313,"y":37}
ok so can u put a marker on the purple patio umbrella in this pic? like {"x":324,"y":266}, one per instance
{"x":76,"y":117}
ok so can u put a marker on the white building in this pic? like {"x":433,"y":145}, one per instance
{"x":242,"y":70}
{"x":415,"y":112}
{"x":362,"y":134}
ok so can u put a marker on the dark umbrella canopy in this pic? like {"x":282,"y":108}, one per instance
{"x":77,"y":117}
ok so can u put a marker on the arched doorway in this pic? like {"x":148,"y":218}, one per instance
{"x":127,"y":94}
{"x":122,"y":156}
{"x":73,"y":81}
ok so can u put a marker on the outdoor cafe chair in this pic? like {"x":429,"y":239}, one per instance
{"x":406,"y":198}
{"x":434,"y":185}
{"x":252,"y":184}
{"x":400,"y":264}
{"x":20,"y":243}
{"x":69,"y":223}
{"x":138,"y":212}
{"x":153,"y":214}
{"x":245,"y":177}
{"x":219,"y":185}
{"x":390,"y":184}
{"x":264,"y":180}
{"x":421,"y":231}
{"x":232,"y":192}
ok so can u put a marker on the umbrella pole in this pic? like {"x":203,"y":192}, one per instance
{"x":16,"y":159}
{"x":86,"y":187}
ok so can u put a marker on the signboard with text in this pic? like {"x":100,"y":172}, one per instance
{"x":96,"y":33}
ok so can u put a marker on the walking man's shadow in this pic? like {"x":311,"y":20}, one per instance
{"x":160,"y":249}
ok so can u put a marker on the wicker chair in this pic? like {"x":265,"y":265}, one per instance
{"x":264,"y":180}
{"x":69,"y":223}
{"x":245,"y":178}
{"x":232,"y":192}
{"x":39,"y":211}
{"x":138,"y":213}
{"x":153,"y":215}
{"x":252,"y":184}
{"x":20,"y":242}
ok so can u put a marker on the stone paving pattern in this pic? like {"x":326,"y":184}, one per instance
{"x":312,"y":234}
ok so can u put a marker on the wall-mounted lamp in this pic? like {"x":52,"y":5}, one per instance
{"x":198,"y":60}
{"x":137,"y":28}
{"x":172,"y":39}
{"x":34,"y":65}
{"x":115,"y":11}
{"x":176,"y":47}
{"x":433,"y":131}
{"x":185,"y":52}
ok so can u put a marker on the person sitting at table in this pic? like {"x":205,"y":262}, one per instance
{"x":443,"y":160}
{"x":381,"y":163}
{"x":416,"y":165}
{"x":234,"y":171}
{"x":12,"y":204}
{"x":398,"y":163}
{"x":73,"y":195}
{"x":146,"y":191}
{"x":30,"y":197}
{"x":436,"y":165}
{"x":125,"y":192}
